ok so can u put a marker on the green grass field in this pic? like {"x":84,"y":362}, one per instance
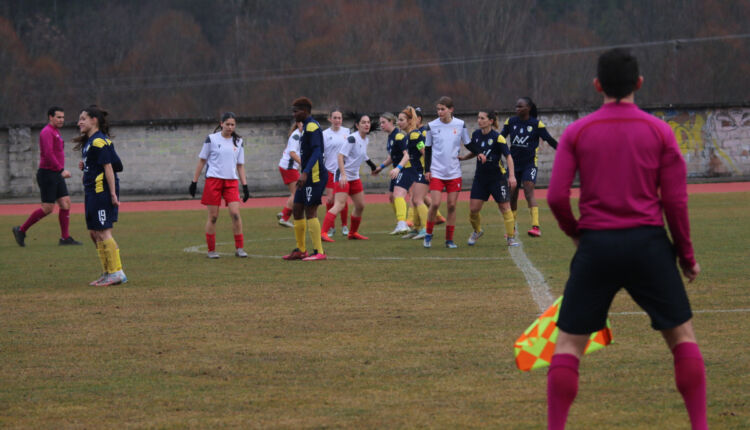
{"x":387,"y":335}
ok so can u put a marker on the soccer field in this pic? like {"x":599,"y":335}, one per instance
{"x":385,"y":334}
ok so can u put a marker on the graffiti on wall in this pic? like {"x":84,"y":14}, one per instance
{"x":713,"y":142}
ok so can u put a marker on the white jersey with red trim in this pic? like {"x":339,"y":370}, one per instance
{"x":446,"y":140}
{"x":292,"y":145}
{"x":332,"y":141}
{"x":222,"y":156}
{"x":355,"y":153}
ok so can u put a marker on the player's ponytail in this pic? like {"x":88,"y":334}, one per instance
{"x":93,"y":111}
{"x":411,"y":118}
{"x":493,"y":116}
{"x":533,"y":112}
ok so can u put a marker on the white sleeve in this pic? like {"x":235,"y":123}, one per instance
{"x":428,"y":137}
{"x":206,"y":149}
{"x":346,"y":148}
{"x":292,"y":144}
{"x":241,"y":152}
{"x":465,"y":136}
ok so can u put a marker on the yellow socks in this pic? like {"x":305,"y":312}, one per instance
{"x":534,"y":216}
{"x":113,"y":255}
{"x":476,"y":221}
{"x":515,"y":214}
{"x":313,"y":224}
{"x":400,"y":204}
{"x":422,"y":215}
{"x":510,"y":223}
{"x":410,"y":213}
{"x":300,"y":230}
{"x":102,"y":256}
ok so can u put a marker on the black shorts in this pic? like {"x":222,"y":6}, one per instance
{"x":496,"y":186}
{"x":404,"y":179}
{"x":641,"y":260}
{"x":101,"y":214}
{"x":310,"y":194}
{"x":51,"y":184}
{"x":526,"y":173}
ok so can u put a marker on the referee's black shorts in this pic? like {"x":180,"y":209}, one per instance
{"x":51,"y":184}
{"x":641,"y":260}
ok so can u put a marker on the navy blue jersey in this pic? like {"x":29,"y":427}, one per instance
{"x":396,"y":145}
{"x":524,"y":139}
{"x":97,"y":152}
{"x":311,"y":151}
{"x":493,"y":146}
{"x":415,"y":146}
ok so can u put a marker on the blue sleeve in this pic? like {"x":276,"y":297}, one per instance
{"x":473,"y":146}
{"x":316,"y":150}
{"x":544,"y":134}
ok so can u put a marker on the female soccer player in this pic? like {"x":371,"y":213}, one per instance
{"x":400,"y":180}
{"x":101,"y":187}
{"x":224,"y":152}
{"x":310,"y":185}
{"x":334,"y":137}
{"x":525,"y":130}
{"x":408,"y":122}
{"x":289,"y":169}
{"x":443,"y":141}
{"x":490,"y":177}
{"x":350,"y":157}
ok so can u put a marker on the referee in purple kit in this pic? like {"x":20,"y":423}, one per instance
{"x":632,"y":174}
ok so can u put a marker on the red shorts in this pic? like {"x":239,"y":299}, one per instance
{"x":216,"y":189}
{"x":331,"y":181}
{"x":450,"y":185}
{"x":289,"y":175}
{"x":351,"y":187}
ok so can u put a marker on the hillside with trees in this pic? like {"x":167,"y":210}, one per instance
{"x":195,"y":58}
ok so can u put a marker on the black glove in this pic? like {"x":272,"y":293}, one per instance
{"x":193,"y":188}
{"x":372,"y":165}
{"x":245,"y":193}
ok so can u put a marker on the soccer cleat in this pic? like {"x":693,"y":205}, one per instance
{"x":513,"y":242}
{"x":409,"y":223}
{"x":315,"y":256}
{"x":286,"y":223}
{"x":450,"y":244}
{"x":69,"y":241}
{"x":344,"y":231}
{"x":19,"y":235}
{"x":325,"y":237}
{"x":427,"y":240}
{"x":101,"y":278}
{"x":401,"y":228}
{"x":357,"y":236}
{"x":280,"y":215}
{"x":296,"y":254}
{"x":116,"y":278}
{"x":420,"y":234}
{"x":410,"y":234}
{"x":212,"y":254}
{"x":240,"y":253}
{"x":474,"y":236}
{"x":535,"y":232}
{"x":440,"y":220}
{"x":331,"y":231}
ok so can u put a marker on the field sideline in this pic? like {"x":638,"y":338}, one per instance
{"x":384,"y":335}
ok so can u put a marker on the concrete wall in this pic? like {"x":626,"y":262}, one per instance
{"x":160,"y":157}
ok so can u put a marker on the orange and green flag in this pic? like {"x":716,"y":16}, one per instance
{"x":536,"y":345}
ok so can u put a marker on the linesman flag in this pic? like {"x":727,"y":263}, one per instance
{"x":536,"y":345}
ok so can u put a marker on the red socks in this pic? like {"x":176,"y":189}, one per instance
{"x":449,"y":229}
{"x":64,"y":218}
{"x":562,"y":388}
{"x":344,"y":214}
{"x":239,"y":241}
{"x":430,"y":226}
{"x":355,"y":224}
{"x":286,"y":213}
{"x":690,"y":376}
{"x":33,"y":218}
{"x":211,"y":242}
{"x":328,"y":222}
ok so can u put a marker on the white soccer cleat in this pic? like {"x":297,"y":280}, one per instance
{"x":212,"y":254}
{"x":474,"y":236}
{"x":344,"y":231}
{"x":401,"y":228}
{"x":286,"y":223}
{"x":420,"y":234}
{"x":240,"y":253}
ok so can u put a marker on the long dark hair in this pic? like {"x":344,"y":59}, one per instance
{"x":533,"y":112}
{"x":225,"y":116}
{"x":100,"y":114}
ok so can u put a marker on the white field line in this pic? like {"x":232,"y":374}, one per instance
{"x":540,"y":291}
{"x":200,"y":249}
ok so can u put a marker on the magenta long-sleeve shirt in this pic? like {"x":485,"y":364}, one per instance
{"x":51,"y":149}
{"x":631,"y":172}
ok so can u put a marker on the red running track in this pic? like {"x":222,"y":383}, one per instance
{"x":265,"y":202}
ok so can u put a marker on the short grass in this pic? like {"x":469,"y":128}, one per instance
{"x":381,"y":337}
